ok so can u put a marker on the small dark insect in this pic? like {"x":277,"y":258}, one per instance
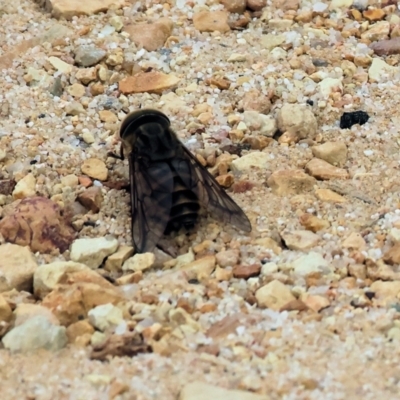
{"x":168,"y":185}
{"x":348,"y":119}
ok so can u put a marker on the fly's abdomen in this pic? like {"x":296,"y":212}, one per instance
{"x":185,"y":207}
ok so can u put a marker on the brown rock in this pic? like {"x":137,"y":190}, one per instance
{"x":378,"y":31}
{"x":354,"y":241}
{"x":91,"y":198}
{"x":207,"y":21}
{"x":392,"y":256}
{"x":5,"y":310}
{"x":86,"y":75}
{"x":225,"y":180}
{"x":374,"y":14}
{"x":7,"y":186}
{"x":288,"y":182}
{"x":107,"y":116}
{"x":150,"y":36}
{"x":313,"y":223}
{"x":71,"y":8}
{"x":256,"y":5}
{"x":246,"y":271}
{"x":253,"y":100}
{"x":77,"y":329}
{"x":274,"y":295}
{"x":37,"y":222}
{"x":321,"y":169}
{"x":234,"y":6}
{"x":150,"y":82}
{"x":85,"y":181}
{"x":334,"y":153}
{"x":95,"y":168}
{"x":386,"y":47}
{"x":226,"y":326}
{"x":71,"y":303}
{"x":220,"y":83}
{"x":315,"y":302}
{"x":329,"y":196}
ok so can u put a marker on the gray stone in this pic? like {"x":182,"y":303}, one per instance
{"x":86,"y":56}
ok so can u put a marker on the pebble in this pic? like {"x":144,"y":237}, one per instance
{"x":204,"y":391}
{"x":378,"y":31}
{"x":207,"y":21}
{"x":199,"y":269}
{"x":60,"y":65}
{"x":74,"y":108}
{"x":297,"y":119}
{"x":300,"y":240}
{"x":269,"y":243}
{"x":80,"y":332}
{"x":17,"y":266}
{"x":315,"y":302}
{"x":257,"y":122}
{"x":354,"y":241}
{"x":311,"y":263}
{"x":274,"y":295}
{"x":91,"y":198}
{"x":35,"y":333}
{"x":57,"y":87}
{"x":329,"y":196}
{"x":234,"y":6}
{"x":88,"y":137}
{"x":76,"y":90}
{"x":386,"y":47}
{"x":107,"y":116}
{"x":338,"y":4}
{"x":25,"y":187}
{"x":48,"y":276}
{"x":6,"y":313}
{"x":313,"y":223}
{"x":70,"y":180}
{"x":334,"y":153}
{"x":321,"y":169}
{"x":86,"y":75}
{"x":150,"y":82}
{"x":139,"y":262}
{"x":246,"y":271}
{"x":95,"y":168}
{"x":227,"y":258}
{"x":330,"y":85}
{"x":150,"y":36}
{"x":92,"y":252}
{"x":386,"y":292}
{"x":105,"y":316}
{"x":255,"y":159}
{"x":392,"y":256}
{"x":289,"y":182}
{"x":379,"y":69}
{"x":114,"y":261}
{"x":87,"y":55}
{"x":256,"y":5}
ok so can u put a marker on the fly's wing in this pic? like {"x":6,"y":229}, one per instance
{"x":209,"y":192}
{"x":151,"y":201}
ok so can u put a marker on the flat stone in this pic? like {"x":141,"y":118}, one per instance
{"x":60,"y":65}
{"x":35,"y":333}
{"x":378,"y":31}
{"x":114,"y":261}
{"x":354,"y":241}
{"x":72,"y":8}
{"x":289,"y":182}
{"x":95,"y":168}
{"x":257,"y":122}
{"x":315,"y":302}
{"x":329,"y":196}
{"x":300,"y":240}
{"x":105,"y":316}
{"x":107,"y":116}
{"x":199,"y":269}
{"x":311,"y":263}
{"x":150,"y":82}
{"x":76,"y":90}
{"x":139,"y":262}
{"x":207,"y":21}
{"x":227,"y":258}
{"x":380,"y":70}
{"x":234,"y":6}
{"x":334,"y":153}
{"x":274,"y":295}
{"x":150,"y":36}
{"x":17,"y":266}
{"x":313,"y":223}
{"x":255,"y":159}
{"x":92,"y":251}
{"x":246,"y":271}
{"x":86,"y":75}
{"x":321,"y":169}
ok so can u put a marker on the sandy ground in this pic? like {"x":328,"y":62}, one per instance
{"x":339,"y":338}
